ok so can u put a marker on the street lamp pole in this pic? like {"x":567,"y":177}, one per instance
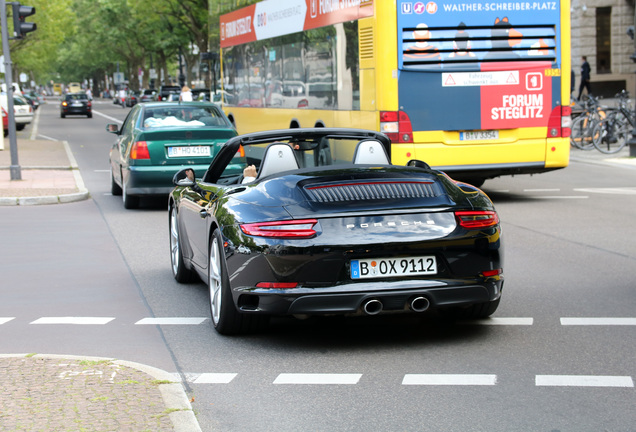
{"x":16,"y":173}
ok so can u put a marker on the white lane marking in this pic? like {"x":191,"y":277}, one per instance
{"x":108,"y":117}
{"x":317,"y":378}
{"x":214,"y":378}
{"x":541,"y":190}
{"x":499,"y":321}
{"x":612,"y":191}
{"x":4,"y":320}
{"x":170,"y":321}
{"x":73,"y":320}
{"x":450,"y":379}
{"x":48,"y":137}
{"x":599,"y":321}
{"x":102,"y":171}
{"x":560,"y":197}
{"x":35,"y":124}
{"x":583,"y":381}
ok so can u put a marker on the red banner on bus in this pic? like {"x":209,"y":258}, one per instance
{"x":272,"y":18}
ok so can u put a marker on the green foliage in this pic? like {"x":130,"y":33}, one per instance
{"x":78,"y":39}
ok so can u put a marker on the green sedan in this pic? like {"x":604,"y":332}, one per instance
{"x":157,"y":139}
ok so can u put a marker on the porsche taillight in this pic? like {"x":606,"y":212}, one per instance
{"x":477,"y":219}
{"x":64,"y":103}
{"x":298,"y":229}
{"x":139,"y":150}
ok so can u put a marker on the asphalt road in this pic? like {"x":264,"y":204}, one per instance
{"x":559,"y":355}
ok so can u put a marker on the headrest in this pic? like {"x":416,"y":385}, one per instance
{"x":370,"y":152}
{"x":278,"y":157}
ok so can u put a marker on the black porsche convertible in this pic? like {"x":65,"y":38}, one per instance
{"x":325,"y":225}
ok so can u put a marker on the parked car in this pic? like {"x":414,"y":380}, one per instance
{"x":165,"y":90}
{"x":147,"y":96}
{"x":34,"y":101}
{"x":76,"y":104}
{"x":5,"y":121}
{"x":132,"y":99}
{"x":22,"y":109}
{"x":329,"y":227}
{"x":159,"y":138}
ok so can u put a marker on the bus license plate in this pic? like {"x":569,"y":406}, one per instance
{"x":188,"y":151}
{"x":479,"y":135}
{"x":393,"y":267}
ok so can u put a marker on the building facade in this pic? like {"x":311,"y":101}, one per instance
{"x":600,"y":32}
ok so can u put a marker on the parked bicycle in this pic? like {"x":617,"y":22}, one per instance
{"x":583,"y":126}
{"x":612,"y":133}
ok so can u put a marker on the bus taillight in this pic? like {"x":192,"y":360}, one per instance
{"x":560,"y":123}
{"x":566,"y":121}
{"x":397,"y":126}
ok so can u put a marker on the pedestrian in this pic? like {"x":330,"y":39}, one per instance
{"x":585,"y":78}
{"x":186,"y":94}
{"x":89,"y":93}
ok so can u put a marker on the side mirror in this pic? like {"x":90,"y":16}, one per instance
{"x":181,"y":178}
{"x":112,"y":128}
{"x":418,"y":164}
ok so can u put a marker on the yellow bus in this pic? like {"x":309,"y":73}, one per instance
{"x":57,"y":89}
{"x":478,"y":89}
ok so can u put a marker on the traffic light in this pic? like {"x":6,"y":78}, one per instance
{"x":20,"y":26}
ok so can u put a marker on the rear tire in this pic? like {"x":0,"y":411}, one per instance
{"x":179,"y":270}
{"x":227,"y":320}
{"x":130,"y":201}
{"x":115,"y":189}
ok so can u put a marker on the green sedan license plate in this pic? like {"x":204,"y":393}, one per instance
{"x":188,"y":151}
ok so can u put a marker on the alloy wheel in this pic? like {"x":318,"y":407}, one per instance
{"x":214,"y":281}
{"x":175,"y":251}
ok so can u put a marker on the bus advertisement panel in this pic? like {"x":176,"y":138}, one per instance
{"x":474,"y":88}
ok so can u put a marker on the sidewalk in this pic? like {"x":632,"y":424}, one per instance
{"x":71,"y":393}
{"x":49,"y":174}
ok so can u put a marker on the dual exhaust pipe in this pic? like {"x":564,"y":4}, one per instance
{"x":416,"y":304}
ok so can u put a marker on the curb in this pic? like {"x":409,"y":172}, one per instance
{"x":173,"y":394}
{"x":82,"y":195}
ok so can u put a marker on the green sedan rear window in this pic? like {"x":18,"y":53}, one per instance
{"x":183,"y":115}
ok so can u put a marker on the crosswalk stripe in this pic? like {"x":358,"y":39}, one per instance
{"x":500,"y":321}
{"x":214,"y":378}
{"x":584,"y":381}
{"x":4,"y":320}
{"x":598,"y":321}
{"x":317,"y":378}
{"x":449,"y":379}
{"x":73,"y":320}
{"x":171,"y":321}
